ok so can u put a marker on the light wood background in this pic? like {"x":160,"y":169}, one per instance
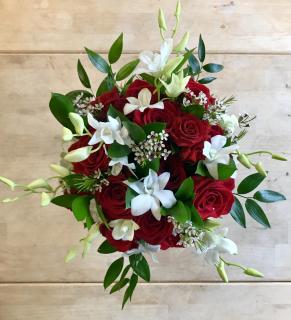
{"x":40,"y":42}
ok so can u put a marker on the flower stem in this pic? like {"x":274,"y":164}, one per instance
{"x":237,"y":194}
{"x":98,"y":148}
{"x":232,"y":264}
{"x":259,"y":152}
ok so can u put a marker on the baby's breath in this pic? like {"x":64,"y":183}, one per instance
{"x":87,"y":105}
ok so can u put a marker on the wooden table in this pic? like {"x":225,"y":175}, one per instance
{"x":40,"y":42}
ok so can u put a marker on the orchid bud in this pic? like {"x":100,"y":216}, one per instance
{"x":162,"y":21}
{"x":278,"y":157}
{"x":260,"y":169}
{"x":9,"y":182}
{"x":78,"y":155}
{"x":253,"y":272}
{"x":221,"y":271}
{"x":77,"y":122}
{"x":178,"y":10}
{"x":60,"y":170}
{"x":10,"y":200}
{"x":244,"y":160}
{"x":67,"y":134}
{"x":71,"y":254}
{"x":171,"y":66}
{"x":45,"y":199}
{"x":38,"y":183}
{"x":180,"y":47}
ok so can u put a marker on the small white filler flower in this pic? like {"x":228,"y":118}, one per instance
{"x":123,"y":229}
{"x":151,"y":194}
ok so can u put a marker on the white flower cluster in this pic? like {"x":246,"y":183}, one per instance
{"x":84,"y":105}
{"x":152,"y":148}
{"x":201,"y":99}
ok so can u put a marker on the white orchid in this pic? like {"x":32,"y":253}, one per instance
{"x":177,"y":85}
{"x":151,"y":194}
{"x":144,"y":247}
{"x":108,"y":132}
{"x":154,"y":63}
{"x":215,"y":243}
{"x":78,"y":155}
{"x":229,"y":123}
{"x":215,"y":153}
{"x":123,"y":229}
{"x":118,"y":163}
{"x":142,"y":102}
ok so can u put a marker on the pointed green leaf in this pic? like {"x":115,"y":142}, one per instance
{"x":129,"y":291}
{"x":269,"y":196}
{"x":126,"y":70}
{"x":106,"y":248}
{"x":180,"y":212}
{"x":257,"y":213}
{"x":154,"y":126}
{"x":106,"y":85}
{"x":117,"y":150}
{"x":98,"y":61}
{"x":83,"y":75}
{"x":237,"y":212}
{"x":130,"y":194}
{"x":225,"y":171}
{"x":186,"y":190}
{"x":213,"y":67}
{"x":116,"y":49}
{"x":113,"y":272}
{"x":80,"y":207}
{"x":201,"y":49}
{"x":196,"y":218}
{"x":119,"y":285}
{"x":250,"y":183}
{"x":114,"y":113}
{"x":206,"y":80}
{"x":194,"y":64}
{"x":140,"y":266}
{"x":65,"y":200}
{"x":135,"y":131}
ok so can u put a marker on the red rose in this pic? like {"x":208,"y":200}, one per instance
{"x":108,"y":98}
{"x":215,"y":130}
{"x":137,"y":85}
{"x":97,"y":160}
{"x":188,"y":130}
{"x":170,"y":242}
{"x":166,"y":115}
{"x":177,"y":172}
{"x":196,"y":88}
{"x":119,"y":245}
{"x":151,"y":230}
{"x":213,"y":198}
{"x":112,"y":201}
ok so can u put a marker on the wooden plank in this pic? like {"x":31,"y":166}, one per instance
{"x":228,"y":26}
{"x":34,"y":240}
{"x":167,"y":301}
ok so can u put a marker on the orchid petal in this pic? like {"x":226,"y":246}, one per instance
{"x":141,"y":204}
{"x":155,"y":208}
{"x":164,"y":179}
{"x":218,"y":141}
{"x":166,"y":197}
{"x":92,"y":121}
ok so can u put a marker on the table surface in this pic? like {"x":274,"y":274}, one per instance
{"x":40,"y":43}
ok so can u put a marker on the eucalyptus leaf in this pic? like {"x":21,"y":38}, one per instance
{"x":113,"y":272}
{"x":116,"y":49}
{"x":83,"y":75}
{"x":97,"y":61}
{"x":257,"y":213}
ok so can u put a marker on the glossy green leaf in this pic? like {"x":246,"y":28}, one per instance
{"x":194,"y":64}
{"x":257,"y":213}
{"x":201,"y":170}
{"x":212,"y":67}
{"x":186,"y":190}
{"x":135,"y":131}
{"x":83,"y":75}
{"x":269,"y":196}
{"x":119,"y":285}
{"x":106,"y":85}
{"x":201,"y":49}
{"x":225,"y":171}
{"x":206,"y":80}
{"x":126,"y":70}
{"x":106,"y":248}
{"x":113,"y":272}
{"x":80,"y":207}
{"x":116,"y":49}
{"x":140,"y":266}
{"x":129,"y":195}
{"x":196,"y":218}
{"x":114,"y":113}
{"x":60,"y":107}
{"x":250,"y":183}
{"x":98,"y":61}
{"x":65,"y":200}
{"x":129,"y":291}
{"x":237,"y":212}
{"x":154,"y":126}
{"x":180,"y":212}
{"x":117,"y":150}
{"x":197,"y":110}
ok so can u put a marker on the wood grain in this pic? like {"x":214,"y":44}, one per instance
{"x":34,"y":241}
{"x":228,"y":26}
{"x":165,"y":302}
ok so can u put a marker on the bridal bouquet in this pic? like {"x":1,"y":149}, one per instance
{"x":150,"y":161}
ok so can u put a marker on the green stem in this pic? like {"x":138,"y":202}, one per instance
{"x":237,"y":194}
{"x":88,"y":132}
{"x":162,"y":34}
{"x":175,"y":28}
{"x":98,"y":148}
{"x":232,"y":264}
{"x":259,"y":152}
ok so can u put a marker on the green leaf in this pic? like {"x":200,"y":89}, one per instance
{"x":60,"y":107}
{"x":206,"y":80}
{"x":257,"y":213}
{"x":185,"y":58}
{"x":196,"y":218}
{"x":237,"y":212}
{"x":201,"y":49}
{"x":117,"y":150}
{"x":140,"y":266}
{"x":269,"y":196}
{"x":126,"y":70}
{"x":119,"y":285}
{"x":65,"y":200}
{"x":106,"y":85}
{"x":148,"y":78}
{"x":129,"y":291}
{"x":186,"y":190}
{"x":106,"y":248}
{"x":213,"y":67}
{"x":225,"y":171}
{"x":154,"y":126}
{"x":196,"y":110}
{"x":130,"y":194}
{"x":201,"y":169}
{"x":113,"y":272}
{"x":114,"y":113}
{"x":89,"y":222}
{"x":180,"y":212}
{"x":116,"y":49}
{"x":80,"y":207}
{"x":194,"y":64}
{"x":135,"y":131}
{"x":250,"y":183}
{"x":98,"y":61}
{"x":72,"y":180}
{"x":83,"y":75}
{"x":143,"y":170}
